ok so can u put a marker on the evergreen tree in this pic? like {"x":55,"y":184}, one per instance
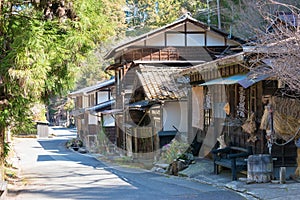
{"x":145,"y":15}
{"x":42,"y":45}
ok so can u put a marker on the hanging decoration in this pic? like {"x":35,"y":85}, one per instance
{"x":281,"y":119}
{"x":207,"y":101}
{"x":227,"y":108}
{"x":283,"y":115}
{"x":250,"y":127}
{"x":267,"y":124}
{"x":198,"y":107}
{"x":242,"y":103}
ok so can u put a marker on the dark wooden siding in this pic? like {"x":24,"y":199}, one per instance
{"x":110,"y":133}
{"x":79,"y":102}
{"x":286,"y":155}
{"x":168,"y":54}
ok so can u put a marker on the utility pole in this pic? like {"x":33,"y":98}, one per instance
{"x":219,"y":14}
{"x":208,"y":15}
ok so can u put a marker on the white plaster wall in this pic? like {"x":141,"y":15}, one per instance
{"x":192,"y":27}
{"x":175,"y":39}
{"x":175,"y":113}
{"x":85,"y":101}
{"x":215,"y":40}
{"x":141,"y":43}
{"x":195,"y":40}
{"x":93,"y":120}
{"x":179,"y":28}
{"x":108,"y":121}
{"x":158,"y":40}
{"x":102,"y":97}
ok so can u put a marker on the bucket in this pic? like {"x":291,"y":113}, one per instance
{"x":260,"y":168}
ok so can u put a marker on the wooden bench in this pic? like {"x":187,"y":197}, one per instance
{"x":231,"y":157}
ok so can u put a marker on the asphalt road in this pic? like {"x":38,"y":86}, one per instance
{"x":50,"y":171}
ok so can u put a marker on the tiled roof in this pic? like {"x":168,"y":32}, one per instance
{"x":159,"y":83}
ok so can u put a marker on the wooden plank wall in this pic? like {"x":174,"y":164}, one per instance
{"x":110,"y":133}
{"x":253,"y":103}
{"x":148,"y":54}
{"x":168,"y":53}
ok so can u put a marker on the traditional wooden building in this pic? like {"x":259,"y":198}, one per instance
{"x":181,"y":44}
{"x":227,"y":103}
{"x":89,"y":102}
{"x":157,"y":109}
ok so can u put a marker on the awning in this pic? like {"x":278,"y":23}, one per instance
{"x":251,"y":79}
{"x":101,"y":106}
{"x":112,"y":111}
{"x":140,"y":105}
{"x":99,"y":86}
{"x":226,"y":81}
{"x":245,"y":80}
{"x":167,"y":133}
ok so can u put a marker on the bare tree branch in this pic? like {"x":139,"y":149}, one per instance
{"x":279,"y":46}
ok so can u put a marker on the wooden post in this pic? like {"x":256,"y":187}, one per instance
{"x":190,"y":133}
{"x":297,"y":172}
{"x":282,"y":174}
{"x":135,"y":140}
{"x":129,"y":144}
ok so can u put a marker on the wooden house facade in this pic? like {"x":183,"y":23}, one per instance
{"x":89,"y":102}
{"x":157,"y":110}
{"x":227,"y":103}
{"x":184,"y":43}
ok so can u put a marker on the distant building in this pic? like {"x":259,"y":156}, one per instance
{"x":89,"y":102}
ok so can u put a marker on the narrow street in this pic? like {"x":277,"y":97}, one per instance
{"x":50,"y":171}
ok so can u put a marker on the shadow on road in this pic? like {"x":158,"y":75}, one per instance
{"x":85,"y":177}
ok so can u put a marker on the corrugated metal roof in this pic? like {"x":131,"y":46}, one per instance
{"x":112,"y":111}
{"x":167,"y":133}
{"x":93,"y":87}
{"x":101,"y":106}
{"x":160,"y":84}
{"x":226,"y":80}
{"x":245,"y":80}
{"x":97,"y":108}
{"x":140,"y":105}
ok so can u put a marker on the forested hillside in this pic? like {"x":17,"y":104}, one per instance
{"x":240,"y":17}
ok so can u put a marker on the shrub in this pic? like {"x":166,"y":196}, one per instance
{"x":173,"y":151}
{"x":75,"y":142}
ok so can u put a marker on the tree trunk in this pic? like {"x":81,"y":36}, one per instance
{"x":1,"y":5}
{"x":2,"y":133}
{"x":2,"y":103}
